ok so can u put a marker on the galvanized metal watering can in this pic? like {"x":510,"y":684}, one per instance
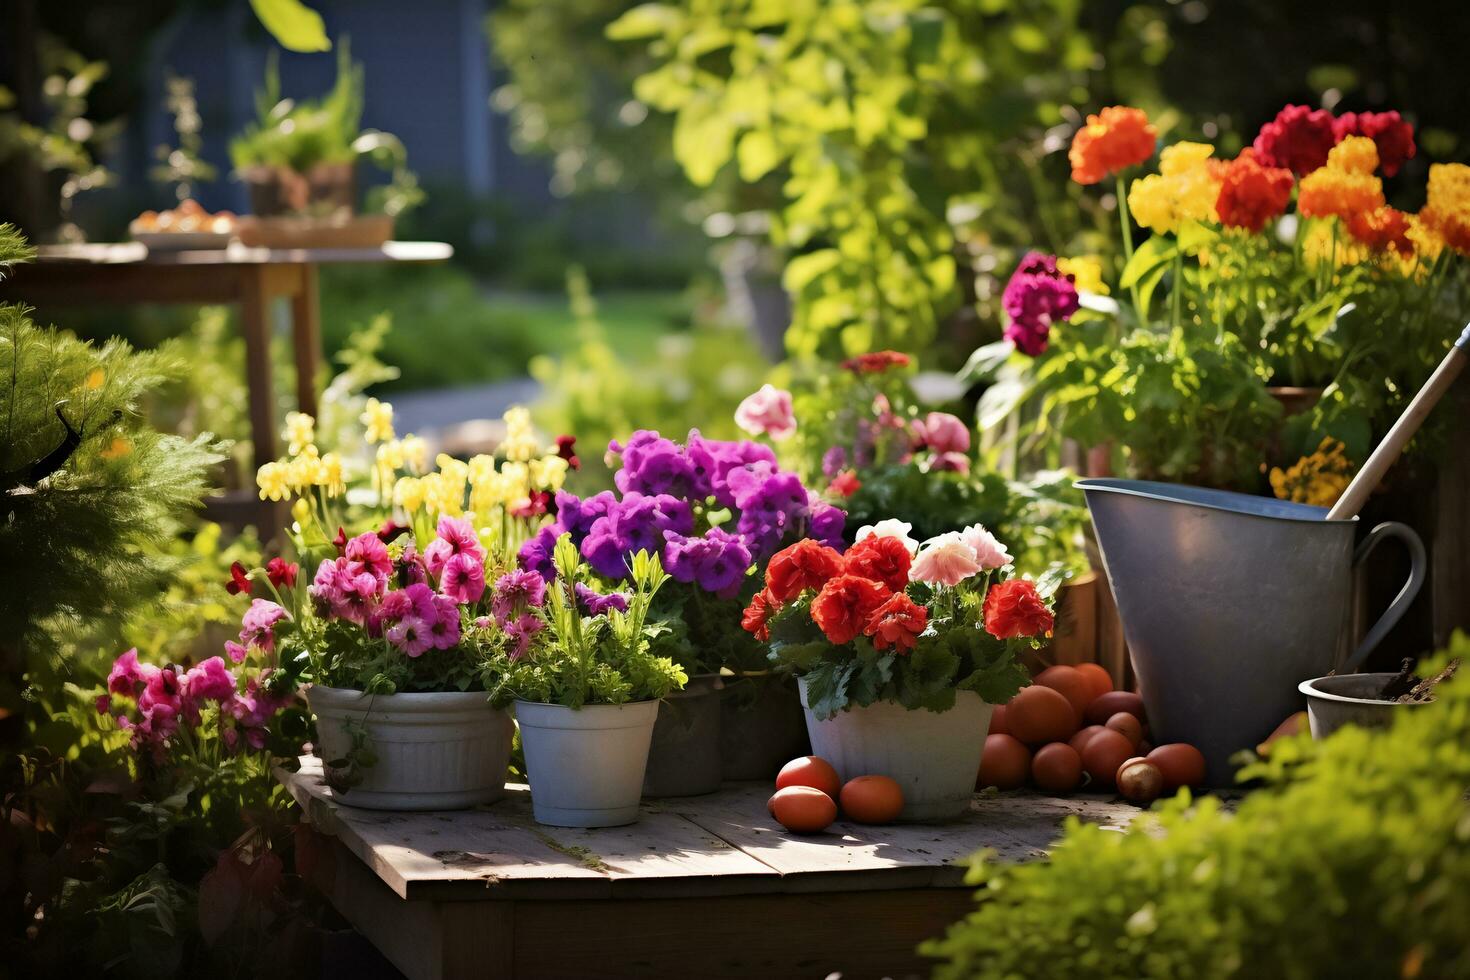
{"x":1229,"y":601}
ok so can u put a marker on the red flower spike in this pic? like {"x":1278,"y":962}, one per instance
{"x":239,"y":582}
{"x":340,"y":541}
{"x":845,"y":484}
{"x":565,"y":449}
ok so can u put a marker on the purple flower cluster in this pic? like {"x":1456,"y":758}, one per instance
{"x":593,"y":603}
{"x":1037,"y":296}
{"x":661,"y":483}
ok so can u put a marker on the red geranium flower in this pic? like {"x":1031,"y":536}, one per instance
{"x":845,"y":605}
{"x":897,"y":623}
{"x":1297,"y":139}
{"x":1014,"y":608}
{"x":1388,"y":131}
{"x":239,"y":580}
{"x":1250,"y":194}
{"x":1381,"y":230}
{"x":757,"y":616}
{"x":808,"y":564}
{"x":282,"y":572}
{"x":881,"y":558}
{"x":564,"y":449}
{"x":340,"y":541}
{"x":845,"y":484}
{"x":533,"y":506}
{"x":876,"y":362}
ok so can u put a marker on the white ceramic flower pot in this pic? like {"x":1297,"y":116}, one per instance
{"x":933,"y":756}
{"x":440,"y":751}
{"x":586,"y":765}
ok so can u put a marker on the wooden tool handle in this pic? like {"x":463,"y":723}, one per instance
{"x":1392,"y":446}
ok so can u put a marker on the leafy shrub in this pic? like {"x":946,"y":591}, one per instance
{"x":1351,"y":861}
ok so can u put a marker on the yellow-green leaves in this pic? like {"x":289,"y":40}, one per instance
{"x":296,"y":26}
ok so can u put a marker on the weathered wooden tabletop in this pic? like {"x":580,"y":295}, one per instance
{"x":486,"y":875}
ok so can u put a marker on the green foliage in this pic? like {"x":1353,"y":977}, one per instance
{"x":601,"y":392}
{"x":1351,"y":861}
{"x":891,"y":127}
{"x":296,"y":26}
{"x":604,"y":659}
{"x":302,"y":134}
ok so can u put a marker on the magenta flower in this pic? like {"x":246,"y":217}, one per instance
{"x":463,"y":578}
{"x":236,"y":651}
{"x":209,"y":680}
{"x":593,"y":603}
{"x":537,"y":554}
{"x":367,"y":553}
{"x":522,"y":630}
{"x":515,"y":592}
{"x":258,"y":625}
{"x":767,"y":412}
{"x":950,"y":462}
{"x":411,"y":635}
{"x":127,"y":675}
{"x":1037,"y":296}
{"x":456,"y":536}
{"x":445,"y":626}
{"x":942,"y":433}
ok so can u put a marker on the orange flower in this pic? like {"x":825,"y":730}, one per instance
{"x":757,"y":616}
{"x":1381,"y":230}
{"x":845,"y":605}
{"x":1250,"y":194}
{"x":1113,"y":139}
{"x":1345,"y":185}
{"x":897,"y":623}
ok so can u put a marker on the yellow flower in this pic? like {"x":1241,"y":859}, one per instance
{"x":378,"y":418}
{"x":1318,"y":243}
{"x":520,"y":438}
{"x":1184,"y":189}
{"x":390,"y":454}
{"x":1086,"y":272}
{"x":301,"y":511}
{"x":1354,"y":155}
{"x":549,"y":472}
{"x":274,"y":481}
{"x":408,"y":493}
{"x":415,"y":453}
{"x":1318,"y":479}
{"x":300,"y":432}
{"x":304,"y":471}
{"x":329,"y":475}
{"x":1345,"y":185}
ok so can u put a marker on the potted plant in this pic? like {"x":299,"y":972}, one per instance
{"x":586,"y":689}
{"x":711,"y":510}
{"x":902,"y":649}
{"x":299,"y":160}
{"x":398,"y":633}
{"x":1243,"y":329}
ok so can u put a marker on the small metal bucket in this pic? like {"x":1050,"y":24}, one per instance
{"x":1229,"y":601}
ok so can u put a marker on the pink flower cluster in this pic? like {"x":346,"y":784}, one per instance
{"x":354,"y":587}
{"x":165,"y":698}
{"x":516,"y":594}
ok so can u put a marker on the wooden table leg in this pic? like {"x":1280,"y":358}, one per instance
{"x":306,"y":338}
{"x":255,"y":311}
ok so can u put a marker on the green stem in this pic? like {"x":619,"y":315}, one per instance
{"x":1125,"y":225}
{"x":1177,"y":292}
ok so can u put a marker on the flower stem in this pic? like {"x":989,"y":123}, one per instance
{"x":1126,"y":227}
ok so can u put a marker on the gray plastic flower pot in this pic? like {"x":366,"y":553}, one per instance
{"x":1349,"y":699}
{"x":684,"y":757}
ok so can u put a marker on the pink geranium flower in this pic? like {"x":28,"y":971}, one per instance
{"x":767,"y":412}
{"x":989,"y":552}
{"x":367,"y":553}
{"x":463,"y":578}
{"x":210,"y":680}
{"x":944,"y":560}
{"x":942,"y":433}
{"x":257,"y":628}
{"x":456,"y":536}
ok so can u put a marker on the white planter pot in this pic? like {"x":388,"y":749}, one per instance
{"x":933,"y":756}
{"x":439,"y":751}
{"x":586,"y":765}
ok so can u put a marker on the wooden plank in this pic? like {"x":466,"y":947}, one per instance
{"x":1449,"y":550}
{"x":406,"y":933}
{"x":1017,"y":826}
{"x":135,"y":253}
{"x":500,"y":851}
{"x":306,"y":337}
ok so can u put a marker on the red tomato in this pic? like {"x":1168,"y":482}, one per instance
{"x":1098,"y":677}
{"x":998,"y":724}
{"x":810,"y":771}
{"x":1041,"y":714}
{"x":802,"y":809}
{"x":1070,"y":684}
{"x":872,"y":799}
{"x":1079,"y":741}
{"x":1105,"y":752}
{"x":1056,"y":768}
{"x":1104,"y":707}
{"x":1182,"y":765}
{"x":1005,"y":762}
{"x":1128,"y":726}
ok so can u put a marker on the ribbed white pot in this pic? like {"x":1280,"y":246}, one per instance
{"x":933,"y":756}
{"x":440,"y":751}
{"x":586,"y":765}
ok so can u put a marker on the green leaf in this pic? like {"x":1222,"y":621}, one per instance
{"x":757,"y":155}
{"x":985,"y":361}
{"x":1152,"y":256}
{"x":826,"y":688}
{"x":296,"y":26}
{"x":643,"y":21}
{"x":802,"y":270}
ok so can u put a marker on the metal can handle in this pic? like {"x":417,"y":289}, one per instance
{"x":1418,"y":566}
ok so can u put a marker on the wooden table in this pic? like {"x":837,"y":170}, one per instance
{"x":251,"y":278}
{"x":699,"y":887}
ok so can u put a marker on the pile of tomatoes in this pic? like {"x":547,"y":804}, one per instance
{"x":1070,"y":726}
{"x":808,"y":793}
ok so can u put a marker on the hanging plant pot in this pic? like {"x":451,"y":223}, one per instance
{"x":684,"y":756}
{"x":933,"y":756}
{"x":440,"y":751}
{"x":761,"y":725}
{"x":586,"y":765}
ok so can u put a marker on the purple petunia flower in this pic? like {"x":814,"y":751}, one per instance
{"x":637,"y":523}
{"x":593,"y":603}
{"x":538,"y":554}
{"x":716,"y":562}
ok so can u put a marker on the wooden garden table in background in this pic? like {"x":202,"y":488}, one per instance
{"x":251,"y":278}
{"x":699,"y":887}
